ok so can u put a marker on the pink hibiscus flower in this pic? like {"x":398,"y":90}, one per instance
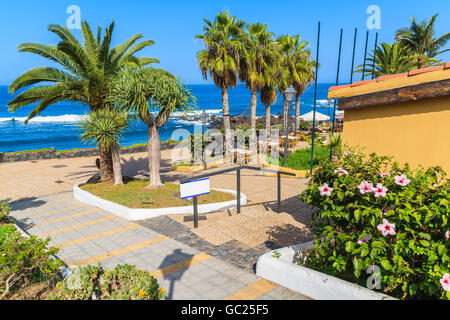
{"x":447,"y":234}
{"x":340,"y":171}
{"x":325,"y":190}
{"x":348,"y":153}
{"x":402,"y":180}
{"x":365,"y":187}
{"x":387,"y":228}
{"x":445,"y":281}
{"x":364,"y":240}
{"x":379,"y":190}
{"x":384,"y":175}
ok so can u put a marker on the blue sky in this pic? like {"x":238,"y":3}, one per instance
{"x":173,"y":25}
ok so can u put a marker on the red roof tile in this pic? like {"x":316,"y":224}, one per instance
{"x":392,"y":76}
{"x":359,"y":83}
{"x":382,"y":78}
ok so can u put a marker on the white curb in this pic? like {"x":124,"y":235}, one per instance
{"x":311,"y":283}
{"x":143,"y":214}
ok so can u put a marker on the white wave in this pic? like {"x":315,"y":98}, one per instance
{"x":40,"y":119}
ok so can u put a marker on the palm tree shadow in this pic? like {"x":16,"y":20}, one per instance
{"x":176,"y":257}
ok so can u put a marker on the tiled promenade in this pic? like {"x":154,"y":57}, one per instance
{"x":88,"y":235}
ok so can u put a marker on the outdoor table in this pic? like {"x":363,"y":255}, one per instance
{"x":243,"y":152}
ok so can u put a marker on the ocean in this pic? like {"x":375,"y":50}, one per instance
{"x":57,"y":125}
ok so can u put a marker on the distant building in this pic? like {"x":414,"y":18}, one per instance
{"x":403,"y":115}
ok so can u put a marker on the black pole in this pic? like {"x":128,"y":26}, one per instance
{"x":287,"y":107}
{"x":374,"y":51}
{"x":353,"y":57}
{"x":203,"y":151}
{"x":278,"y":191}
{"x":315,"y":97}
{"x":238,"y":183}
{"x":365,"y":55}
{"x":195,"y":212}
{"x":337,"y":83}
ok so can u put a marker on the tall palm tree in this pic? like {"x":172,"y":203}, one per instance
{"x":104,"y":126}
{"x":83,"y":73}
{"x":145,"y":92}
{"x":297,"y":68}
{"x":420,"y":39}
{"x":391,"y":59}
{"x":258,"y":59}
{"x":220,"y":60}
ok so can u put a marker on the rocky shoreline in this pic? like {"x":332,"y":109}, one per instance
{"x":51,"y":153}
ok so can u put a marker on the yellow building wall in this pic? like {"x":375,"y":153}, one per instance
{"x":417,"y":132}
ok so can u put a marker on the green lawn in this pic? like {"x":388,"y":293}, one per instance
{"x":301,"y":159}
{"x":133,"y":194}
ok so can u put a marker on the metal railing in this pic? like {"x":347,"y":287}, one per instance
{"x":238,"y":185}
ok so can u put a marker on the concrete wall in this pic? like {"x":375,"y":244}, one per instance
{"x":417,"y":132}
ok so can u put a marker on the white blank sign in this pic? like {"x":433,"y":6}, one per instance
{"x":195,"y":188}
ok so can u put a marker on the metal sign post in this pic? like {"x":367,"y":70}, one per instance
{"x":193,"y":189}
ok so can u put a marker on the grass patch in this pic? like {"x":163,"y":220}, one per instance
{"x":301,"y":159}
{"x":133,"y":194}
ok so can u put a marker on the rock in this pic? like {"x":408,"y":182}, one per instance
{"x":94,"y":179}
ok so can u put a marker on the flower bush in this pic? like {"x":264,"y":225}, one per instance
{"x":373,"y":212}
{"x":95,"y":283}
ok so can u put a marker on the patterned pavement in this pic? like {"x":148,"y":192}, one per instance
{"x":88,"y":235}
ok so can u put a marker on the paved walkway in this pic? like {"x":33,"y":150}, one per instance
{"x":88,"y":235}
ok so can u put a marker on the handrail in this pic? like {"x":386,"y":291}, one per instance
{"x":238,"y":184}
{"x":215,"y":173}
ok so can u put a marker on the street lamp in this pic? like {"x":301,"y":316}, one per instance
{"x":204,"y":120}
{"x":289,"y":95}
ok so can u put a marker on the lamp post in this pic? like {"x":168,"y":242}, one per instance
{"x":289,"y":95}
{"x":204,"y":120}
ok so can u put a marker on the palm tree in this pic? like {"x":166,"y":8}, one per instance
{"x":220,"y":59}
{"x":258,"y":59}
{"x":420,"y":39}
{"x":297,"y":69}
{"x":144,"y":91}
{"x":104,"y":126}
{"x":334,"y":143}
{"x":83,"y":73}
{"x":390,"y":59}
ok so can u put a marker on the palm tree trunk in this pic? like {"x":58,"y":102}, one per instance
{"x":252,"y":140}
{"x":297,"y":112}
{"x":227,"y":125}
{"x":154,"y":157}
{"x":253,"y":99}
{"x":268,"y":120}
{"x":106,"y":167}
{"x":117,"y":167}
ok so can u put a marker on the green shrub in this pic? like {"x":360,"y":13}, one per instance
{"x":123,"y":283}
{"x":24,"y":261}
{"x":5,"y":231}
{"x":4,"y":213}
{"x":400,"y":225}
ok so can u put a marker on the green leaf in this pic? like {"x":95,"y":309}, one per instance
{"x":425,"y":235}
{"x":386,"y":264}
{"x":425,"y":243}
{"x":357,"y":214}
{"x":349,"y":245}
